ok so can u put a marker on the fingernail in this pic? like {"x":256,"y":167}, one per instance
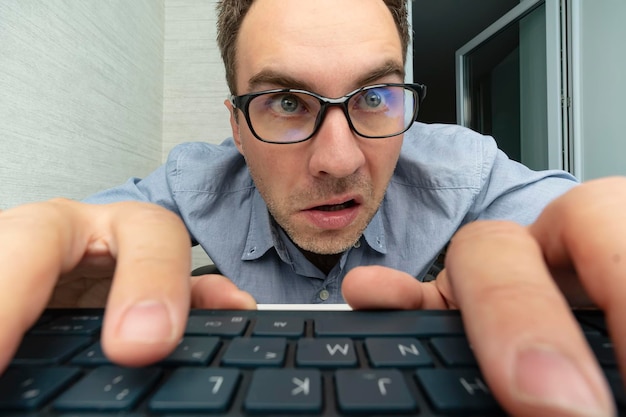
{"x":146,"y":322}
{"x":545,"y":377}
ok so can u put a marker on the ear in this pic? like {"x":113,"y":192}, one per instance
{"x":234,"y":125}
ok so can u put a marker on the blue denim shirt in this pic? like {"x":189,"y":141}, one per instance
{"x":446,"y":176}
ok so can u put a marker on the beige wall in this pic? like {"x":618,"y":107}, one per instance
{"x":194,"y":86}
{"x":81,"y":103}
{"x":194,"y":83}
{"x":96,"y":91}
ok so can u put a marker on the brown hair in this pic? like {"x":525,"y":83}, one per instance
{"x":230,"y":15}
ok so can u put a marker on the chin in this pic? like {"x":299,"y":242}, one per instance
{"x":325,"y":245}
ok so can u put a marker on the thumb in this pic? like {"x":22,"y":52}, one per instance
{"x":378,"y":287}
{"x":218,"y":292}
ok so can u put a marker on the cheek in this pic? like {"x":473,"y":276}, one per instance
{"x":382,"y":160}
{"x":273,"y":171}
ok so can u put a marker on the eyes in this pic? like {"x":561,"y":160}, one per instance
{"x":371,"y":99}
{"x":287,"y":103}
{"x":290,"y":104}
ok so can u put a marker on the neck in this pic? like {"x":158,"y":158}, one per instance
{"x":324,"y":262}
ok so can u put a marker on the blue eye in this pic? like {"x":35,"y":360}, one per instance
{"x":289,"y":104}
{"x":372,"y":99}
{"x":285,"y":103}
{"x":375,"y":99}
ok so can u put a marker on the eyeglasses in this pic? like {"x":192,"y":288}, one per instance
{"x":291,"y":116}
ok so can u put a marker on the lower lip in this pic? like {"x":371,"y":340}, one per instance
{"x":332,"y":220}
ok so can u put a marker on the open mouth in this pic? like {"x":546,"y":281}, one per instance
{"x":336,"y":207}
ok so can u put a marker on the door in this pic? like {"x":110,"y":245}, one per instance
{"x":509,"y":84}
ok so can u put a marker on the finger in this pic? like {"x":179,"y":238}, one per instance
{"x":218,"y":292}
{"x":149,"y":299}
{"x":87,"y":285}
{"x":531,"y":352}
{"x":377,"y":287}
{"x":37,"y":243}
{"x":582,"y":235}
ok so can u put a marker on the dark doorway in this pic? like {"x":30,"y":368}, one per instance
{"x":440,"y":27}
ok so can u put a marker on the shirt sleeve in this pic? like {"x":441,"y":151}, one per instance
{"x":512,"y":191}
{"x":154,"y":188}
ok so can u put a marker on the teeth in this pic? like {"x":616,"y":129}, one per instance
{"x":336,"y":207}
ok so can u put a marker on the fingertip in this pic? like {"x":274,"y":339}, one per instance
{"x":545,"y":378}
{"x":242,"y":300}
{"x":218,"y":292}
{"x":378,"y":287}
{"x":143,"y":333}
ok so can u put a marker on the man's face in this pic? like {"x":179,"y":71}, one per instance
{"x":323,"y":192}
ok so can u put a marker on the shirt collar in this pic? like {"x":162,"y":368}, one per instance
{"x":375,"y":233}
{"x":263,"y":233}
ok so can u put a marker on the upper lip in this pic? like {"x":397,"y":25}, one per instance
{"x":336,"y":200}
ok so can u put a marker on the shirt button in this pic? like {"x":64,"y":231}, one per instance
{"x":357,"y":244}
{"x":324,"y":294}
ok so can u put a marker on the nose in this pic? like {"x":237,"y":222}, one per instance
{"x":335,"y":147}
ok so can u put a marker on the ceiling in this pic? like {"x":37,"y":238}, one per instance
{"x":440,"y":27}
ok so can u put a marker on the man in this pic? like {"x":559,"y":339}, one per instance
{"x":336,"y":192}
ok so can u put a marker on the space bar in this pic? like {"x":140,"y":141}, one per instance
{"x":388,"y":324}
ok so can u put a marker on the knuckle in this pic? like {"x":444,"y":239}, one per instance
{"x":144,"y":213}
{"x":592,"y":201}
{"x":493,"y":230}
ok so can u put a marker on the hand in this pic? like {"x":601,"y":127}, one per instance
{"x":145,"y":248}
{"x":515,"y":287}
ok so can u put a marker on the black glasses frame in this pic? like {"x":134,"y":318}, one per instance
{"x":242,"y":103}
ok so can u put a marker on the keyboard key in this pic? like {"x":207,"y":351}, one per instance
{"x":603,"y":349}
{"x":596,"y":320}
{"x":48,"y":350}
{"x":400,"y":352}
{"x":279,"y":326}
{"x":457,"y":390}
{"x":616,"y":383}
{"x":285,"y":390}
{"x":216,"y":325}
{"x":255,"y":351}
{"x":364,"y":324}
{"x":373,"y":391}
{"x":454,"y":351}
{"x":325,"y":352}
{"x":78,"y":324}
{"x":193,"y":350}
{"x":92,"y":356}
{"x":196,"y":390}
{"x":108,"y":388}
{"x":29,"y":388}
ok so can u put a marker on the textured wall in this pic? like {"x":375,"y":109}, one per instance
{"x":81,"y":97}
{"x":194,"y":83}
{"x":194,"y":86}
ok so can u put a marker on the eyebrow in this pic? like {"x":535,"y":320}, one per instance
{"x":273,"y":77}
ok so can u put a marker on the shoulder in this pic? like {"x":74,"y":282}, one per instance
{"x":445,"y":156}
{"x":205,"y":167}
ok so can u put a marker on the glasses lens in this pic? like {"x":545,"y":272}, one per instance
{"x":291,"y":116}
{"x":382,"y":111}
{"x":283,"y":117}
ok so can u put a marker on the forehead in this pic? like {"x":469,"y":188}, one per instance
{"x":325,"y":44}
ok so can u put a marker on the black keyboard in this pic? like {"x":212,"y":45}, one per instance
{"x":261,"y":363}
